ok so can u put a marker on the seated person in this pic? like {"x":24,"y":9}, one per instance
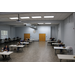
{"x":58,"y":41}
{"x":13,"y":39}
{"x":28,"y":39}
{"x":6,"y":48}
{"x":21,"y":41}
{"x":18,"y":47}
{"x":52,"y":39}
{"x":2,"y":49}
{"x":61,"y":45}
{"x":24,"y":40}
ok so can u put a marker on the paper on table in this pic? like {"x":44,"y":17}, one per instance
{"x":5,"y":51}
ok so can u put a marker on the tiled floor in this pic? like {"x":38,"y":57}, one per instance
{"x":35,"y":52}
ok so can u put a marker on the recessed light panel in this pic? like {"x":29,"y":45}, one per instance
{"x":40,"y":23}
{"x":13,"y":18}
{"x":36,"y":16}
{"x":48,"y":16}
{"x":47,"y":23}
{"x":25,"y":17}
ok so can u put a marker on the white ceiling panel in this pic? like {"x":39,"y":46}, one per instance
{"x":4,"y":17}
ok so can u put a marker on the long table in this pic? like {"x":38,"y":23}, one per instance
{"x":27,"y":43}
{"x":6,"y":53}
{"x":66,"y":57}
{"x":32,"y":40}
{"x":51,"y":42}
{"x":57,"y":44}
{"x":59,"y":48}
{"x":15,"y":46}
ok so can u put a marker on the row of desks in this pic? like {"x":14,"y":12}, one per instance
{"x":13,"y":46}
{"x":62,"y":56}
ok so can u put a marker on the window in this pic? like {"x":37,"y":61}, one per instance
{"x":4,"y":34}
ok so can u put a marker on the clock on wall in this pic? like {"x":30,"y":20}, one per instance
{"x":34,"y":31}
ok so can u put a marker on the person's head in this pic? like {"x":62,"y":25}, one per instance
{"x":6,"y":46}
{"x":52,"y":37}
{"x":2,"y":48}
{"x":58,"y":41}
{"x":61,"y":43}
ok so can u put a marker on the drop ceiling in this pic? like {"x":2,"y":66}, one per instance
{"x":4,"y":17}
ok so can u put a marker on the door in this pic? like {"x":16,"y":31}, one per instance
{"x":42,"y":37}
{"x":26,"y":36}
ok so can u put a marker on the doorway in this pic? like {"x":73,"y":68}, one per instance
{"x":26,"y":36}
{"x":42,"y":37}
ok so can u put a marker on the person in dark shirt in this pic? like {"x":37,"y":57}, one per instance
{"x":60,"y":45}
{"x":18,"y":47}
{"x":58,"y":41}
{"x":28,"y":40}
{"x":6,"y":48}
{"x":52,"y":39}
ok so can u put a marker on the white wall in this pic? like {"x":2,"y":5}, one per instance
{"x":10,"y":29}
{"x":55,"y":32}
{"x":66,"y":32}
{"x":69,"y":32}
{"x":12,"y":32}
{"x":60,"y":31}
{"x":40,"y":29}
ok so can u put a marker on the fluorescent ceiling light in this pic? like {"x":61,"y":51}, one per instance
{"x":48,"y":16}
{"x":27,"y":24}
{"x":36,"y":16}
{"x":40,"y":23}
{"x":24,"y":17}
{"x":13,"y":17}
{"x":24,"y":23}
{"x":47,"y":23}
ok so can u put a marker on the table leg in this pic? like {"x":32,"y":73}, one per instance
{"x":67,"y":60}
{"x":60,"y":60}
{"x":60,"y":51}
{"x":51,"y":44}
{"x":8,"y":58}
{"x":55,"y":51}
{"x":22,"y":49}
